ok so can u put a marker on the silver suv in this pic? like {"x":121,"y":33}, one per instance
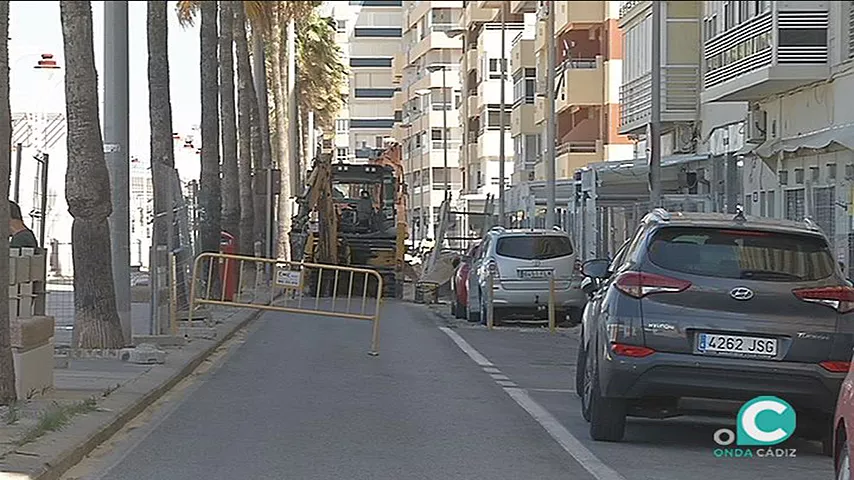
{"x":520,"y":263}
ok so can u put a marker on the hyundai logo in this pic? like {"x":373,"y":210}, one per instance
{"x":741,"y":293}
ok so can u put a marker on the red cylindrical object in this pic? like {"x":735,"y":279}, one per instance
{"x":229,"y":271}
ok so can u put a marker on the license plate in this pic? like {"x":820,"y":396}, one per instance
{"x":535,"y":273}
{"x":711,"y":343}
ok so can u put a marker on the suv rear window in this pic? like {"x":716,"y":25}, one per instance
{"x":747,"y":254}
{"x":534,"y":247}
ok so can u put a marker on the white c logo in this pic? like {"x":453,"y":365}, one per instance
{"x":748,"y":421}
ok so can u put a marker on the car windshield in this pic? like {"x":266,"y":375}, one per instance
{"x":744,"y":254}
{"x":534,"y":247}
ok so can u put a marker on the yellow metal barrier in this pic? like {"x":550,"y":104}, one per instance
{"x":296,"y":287}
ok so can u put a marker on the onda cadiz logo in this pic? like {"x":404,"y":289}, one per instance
{"x":762,"y":423}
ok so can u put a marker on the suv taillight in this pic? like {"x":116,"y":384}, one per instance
{"x":493,"y":269}
{"x":839,"y":298}
{"x":640,"y":284}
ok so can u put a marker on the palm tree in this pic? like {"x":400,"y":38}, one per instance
{"x":209,"y":182}
{"x":160,"y":116}
{"x":230,"y":170}
{"x":7,"y":367}
{"x":87,"y":187}
{"x":321,"y":73}
{"x":245,"y":98}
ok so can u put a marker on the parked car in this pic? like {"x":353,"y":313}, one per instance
{"x":520,"y":262}
{"x":459,"y":284}
{"x":715,"y":306}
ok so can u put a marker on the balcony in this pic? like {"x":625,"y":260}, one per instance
{"x":522,"y":119}
{"x":679,"y":98}
{"x":472,"y":59}
{"x":522,"y":54}
{"x":435,"y":39}
{"x":434,"y":79}
{"x":525,"y":6}
{"x":471,"y":152}
{"x":473,"y":104}
{"x":397,"y":100}
{"x":437,"y":154}
{"x":583,"y":83}
{"x":578,"y":14}
{"x":398,"y":63}
{"x":630,"y":9}
{"x":494,"y":4}
{"x":539,"y":109}
{"x":752,"y":61}
{"x":570,"y":157}
{"x":474,"y":14}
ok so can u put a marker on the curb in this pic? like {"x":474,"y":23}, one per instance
{"x":54,"y":468}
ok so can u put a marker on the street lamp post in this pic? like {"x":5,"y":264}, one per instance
{"x":502,"y":116}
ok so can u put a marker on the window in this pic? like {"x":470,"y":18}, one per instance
{"x":374,"y":92}
{"x":389,"y":32}
{"x":341,"y":153}
{"x":524,"y":87}
{"x":376,"y":62}
{"x":341,"y":26}
{"x":378,"y":141}
{"x":538,"y":247}
{"x":750,"y":254}
{"x":436,"y":134}
{"x":371,"y":123}
{"x":495,"y":68}
{"x":342,"y":125}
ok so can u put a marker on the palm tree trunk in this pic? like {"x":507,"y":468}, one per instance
{"x":279,"y":59}
{"x":259,"y":177}
{"x":7,"y":367}
{"x":160,"y":117}
{"x":87,"y":187}
{"x":209,"y":191}
{"x":244,"y":101}
{"x":230,"y":169}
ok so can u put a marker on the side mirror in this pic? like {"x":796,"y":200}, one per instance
{"x":588,"y":286}
{"x":597,"y":268}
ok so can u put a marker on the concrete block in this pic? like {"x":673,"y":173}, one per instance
{"x":160,"y":340}
{"x":13,"y":260}
{"x":33,"y":369}
{"x":145,"y":353}
{"x":31,"y":332}
{"x":25,"y":300}
{"x":38,"y":268}
{"x":22,"y":269}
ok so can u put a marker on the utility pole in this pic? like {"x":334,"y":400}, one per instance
{"x":550,"y":116}
{"x":116,"y":126}
{"x":502,"y":117}
{"x":654,"y":137}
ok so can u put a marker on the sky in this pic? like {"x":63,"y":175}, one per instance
{"x":34,"y":29}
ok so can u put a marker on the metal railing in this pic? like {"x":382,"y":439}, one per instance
{"x":296,"y":287}
{"x":577,"y":147}
{"x":679,"y":93}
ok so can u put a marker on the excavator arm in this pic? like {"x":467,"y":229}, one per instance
{"x":318,"y":197}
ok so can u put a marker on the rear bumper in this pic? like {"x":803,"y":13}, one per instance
{"x":566,"y":298}
{"x":805,"y":386}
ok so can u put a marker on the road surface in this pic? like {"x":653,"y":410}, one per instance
{"x":300,"y":399}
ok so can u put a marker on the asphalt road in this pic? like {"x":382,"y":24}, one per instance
{"x":301,"y":399}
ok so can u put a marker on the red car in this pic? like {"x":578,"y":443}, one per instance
{"x":843,"y":449}
{"x":459,"y":284}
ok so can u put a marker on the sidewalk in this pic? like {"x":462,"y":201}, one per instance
{"x":93,"y":398}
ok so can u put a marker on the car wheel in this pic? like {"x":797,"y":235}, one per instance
{"x":607,"y":416}
{"x":843,"y":461}
{"x":575,"y":316}
{"x":580,"y":365}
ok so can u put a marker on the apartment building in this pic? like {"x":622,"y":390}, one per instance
{"x":369,"y":34}
{"x":426,"y":71}
{"x":480,"y":107}
{"x":791,"y":63}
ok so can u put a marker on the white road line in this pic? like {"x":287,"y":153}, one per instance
{"x":466,"y":348}
{"x":499,"y":376}
{"x":551,"y":390}
{"x":507,"y":383}
{"x":491,"y":370}
{"x":558,"y":432}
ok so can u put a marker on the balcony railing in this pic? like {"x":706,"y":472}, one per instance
{"x":576,"y":63}
{"x":577,"y":147}
{"x":678,"y":94}
{"x":440,"y":144}
{"x":626,"y":6}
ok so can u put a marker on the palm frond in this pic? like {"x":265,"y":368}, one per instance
{"x":186,"y":11}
